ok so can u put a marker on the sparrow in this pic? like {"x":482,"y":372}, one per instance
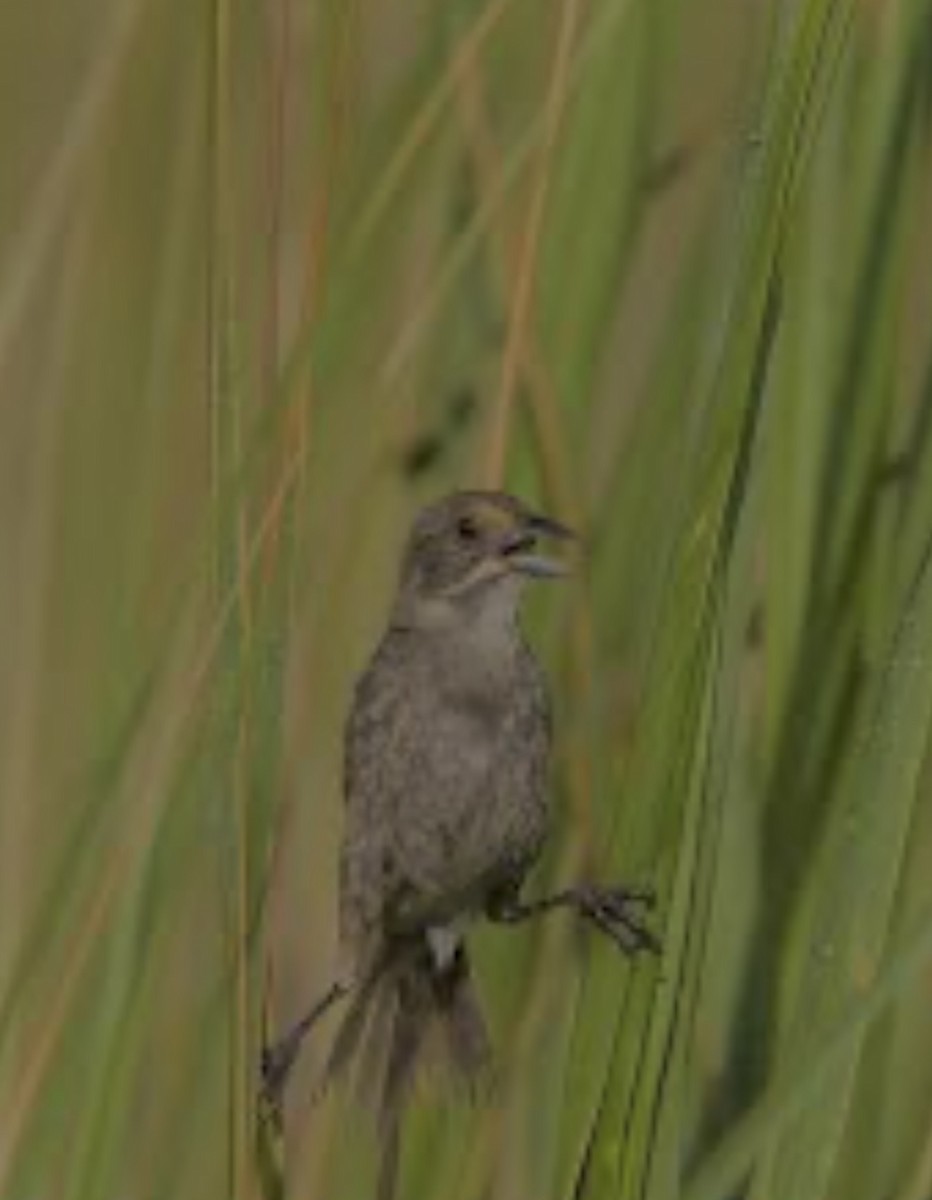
{"x":446,"y":781}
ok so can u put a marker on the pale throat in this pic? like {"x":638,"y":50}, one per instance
{"x":478,"y":633}
{"x":490,"y":608}
{"x":484,"y":646}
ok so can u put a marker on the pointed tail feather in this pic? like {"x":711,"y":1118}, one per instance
{"x":463,"y":1023}
{"x":409,"y":1029}
{"x":388,"y":1026}
{"x":388,"y":1163}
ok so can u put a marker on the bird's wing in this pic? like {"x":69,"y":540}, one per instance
{"x":374,"y":767}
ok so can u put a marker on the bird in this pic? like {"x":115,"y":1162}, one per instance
{"x":446,"y":781}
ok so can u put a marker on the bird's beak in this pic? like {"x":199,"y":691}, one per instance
{"x":520,"y":547}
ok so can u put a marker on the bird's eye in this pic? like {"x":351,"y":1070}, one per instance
{"x":467,"y":529}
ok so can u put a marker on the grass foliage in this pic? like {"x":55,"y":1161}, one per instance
{"x":272,"y":275}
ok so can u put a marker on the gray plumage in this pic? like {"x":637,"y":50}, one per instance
{"x":447,"y":756}
{"x":447,"y":753}
{"x":446,"y":779}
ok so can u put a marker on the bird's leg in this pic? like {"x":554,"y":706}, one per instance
{"x":278,"y":1059}
{"x":616,"y":911}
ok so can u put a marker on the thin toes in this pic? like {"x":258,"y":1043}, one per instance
{"x":641,"y":936}
{"x":614,"y":915}
{"x":273,"y":1071}
{"x":646,"y":938}
{"x":616,"y":930}
{"x":270,"y":1104}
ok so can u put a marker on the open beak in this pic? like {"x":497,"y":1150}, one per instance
{"x":520,"y":548}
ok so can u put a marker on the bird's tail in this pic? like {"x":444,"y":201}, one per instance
{"x":392,"y":1023}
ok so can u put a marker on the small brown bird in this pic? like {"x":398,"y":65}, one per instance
{"x":446,"y":780}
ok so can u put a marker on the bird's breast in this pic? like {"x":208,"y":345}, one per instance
{"x":477,"y":800}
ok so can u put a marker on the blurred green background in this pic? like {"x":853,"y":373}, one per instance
{"x":271,"y":276}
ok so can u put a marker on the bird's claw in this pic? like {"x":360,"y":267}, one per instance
{"x":273,"y":1071}
{"x":618,"y":912}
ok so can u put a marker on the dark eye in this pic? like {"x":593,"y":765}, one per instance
{"x":467,"y":529}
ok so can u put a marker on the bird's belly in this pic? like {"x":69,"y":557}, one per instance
{"x":476,"y":814}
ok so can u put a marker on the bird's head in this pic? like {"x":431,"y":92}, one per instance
{"x":472,"y":550}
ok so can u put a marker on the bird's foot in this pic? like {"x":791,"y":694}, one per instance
{"x":619,"y":913}
{"x":278,"y":1059}
{"x":274,"y":1067}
